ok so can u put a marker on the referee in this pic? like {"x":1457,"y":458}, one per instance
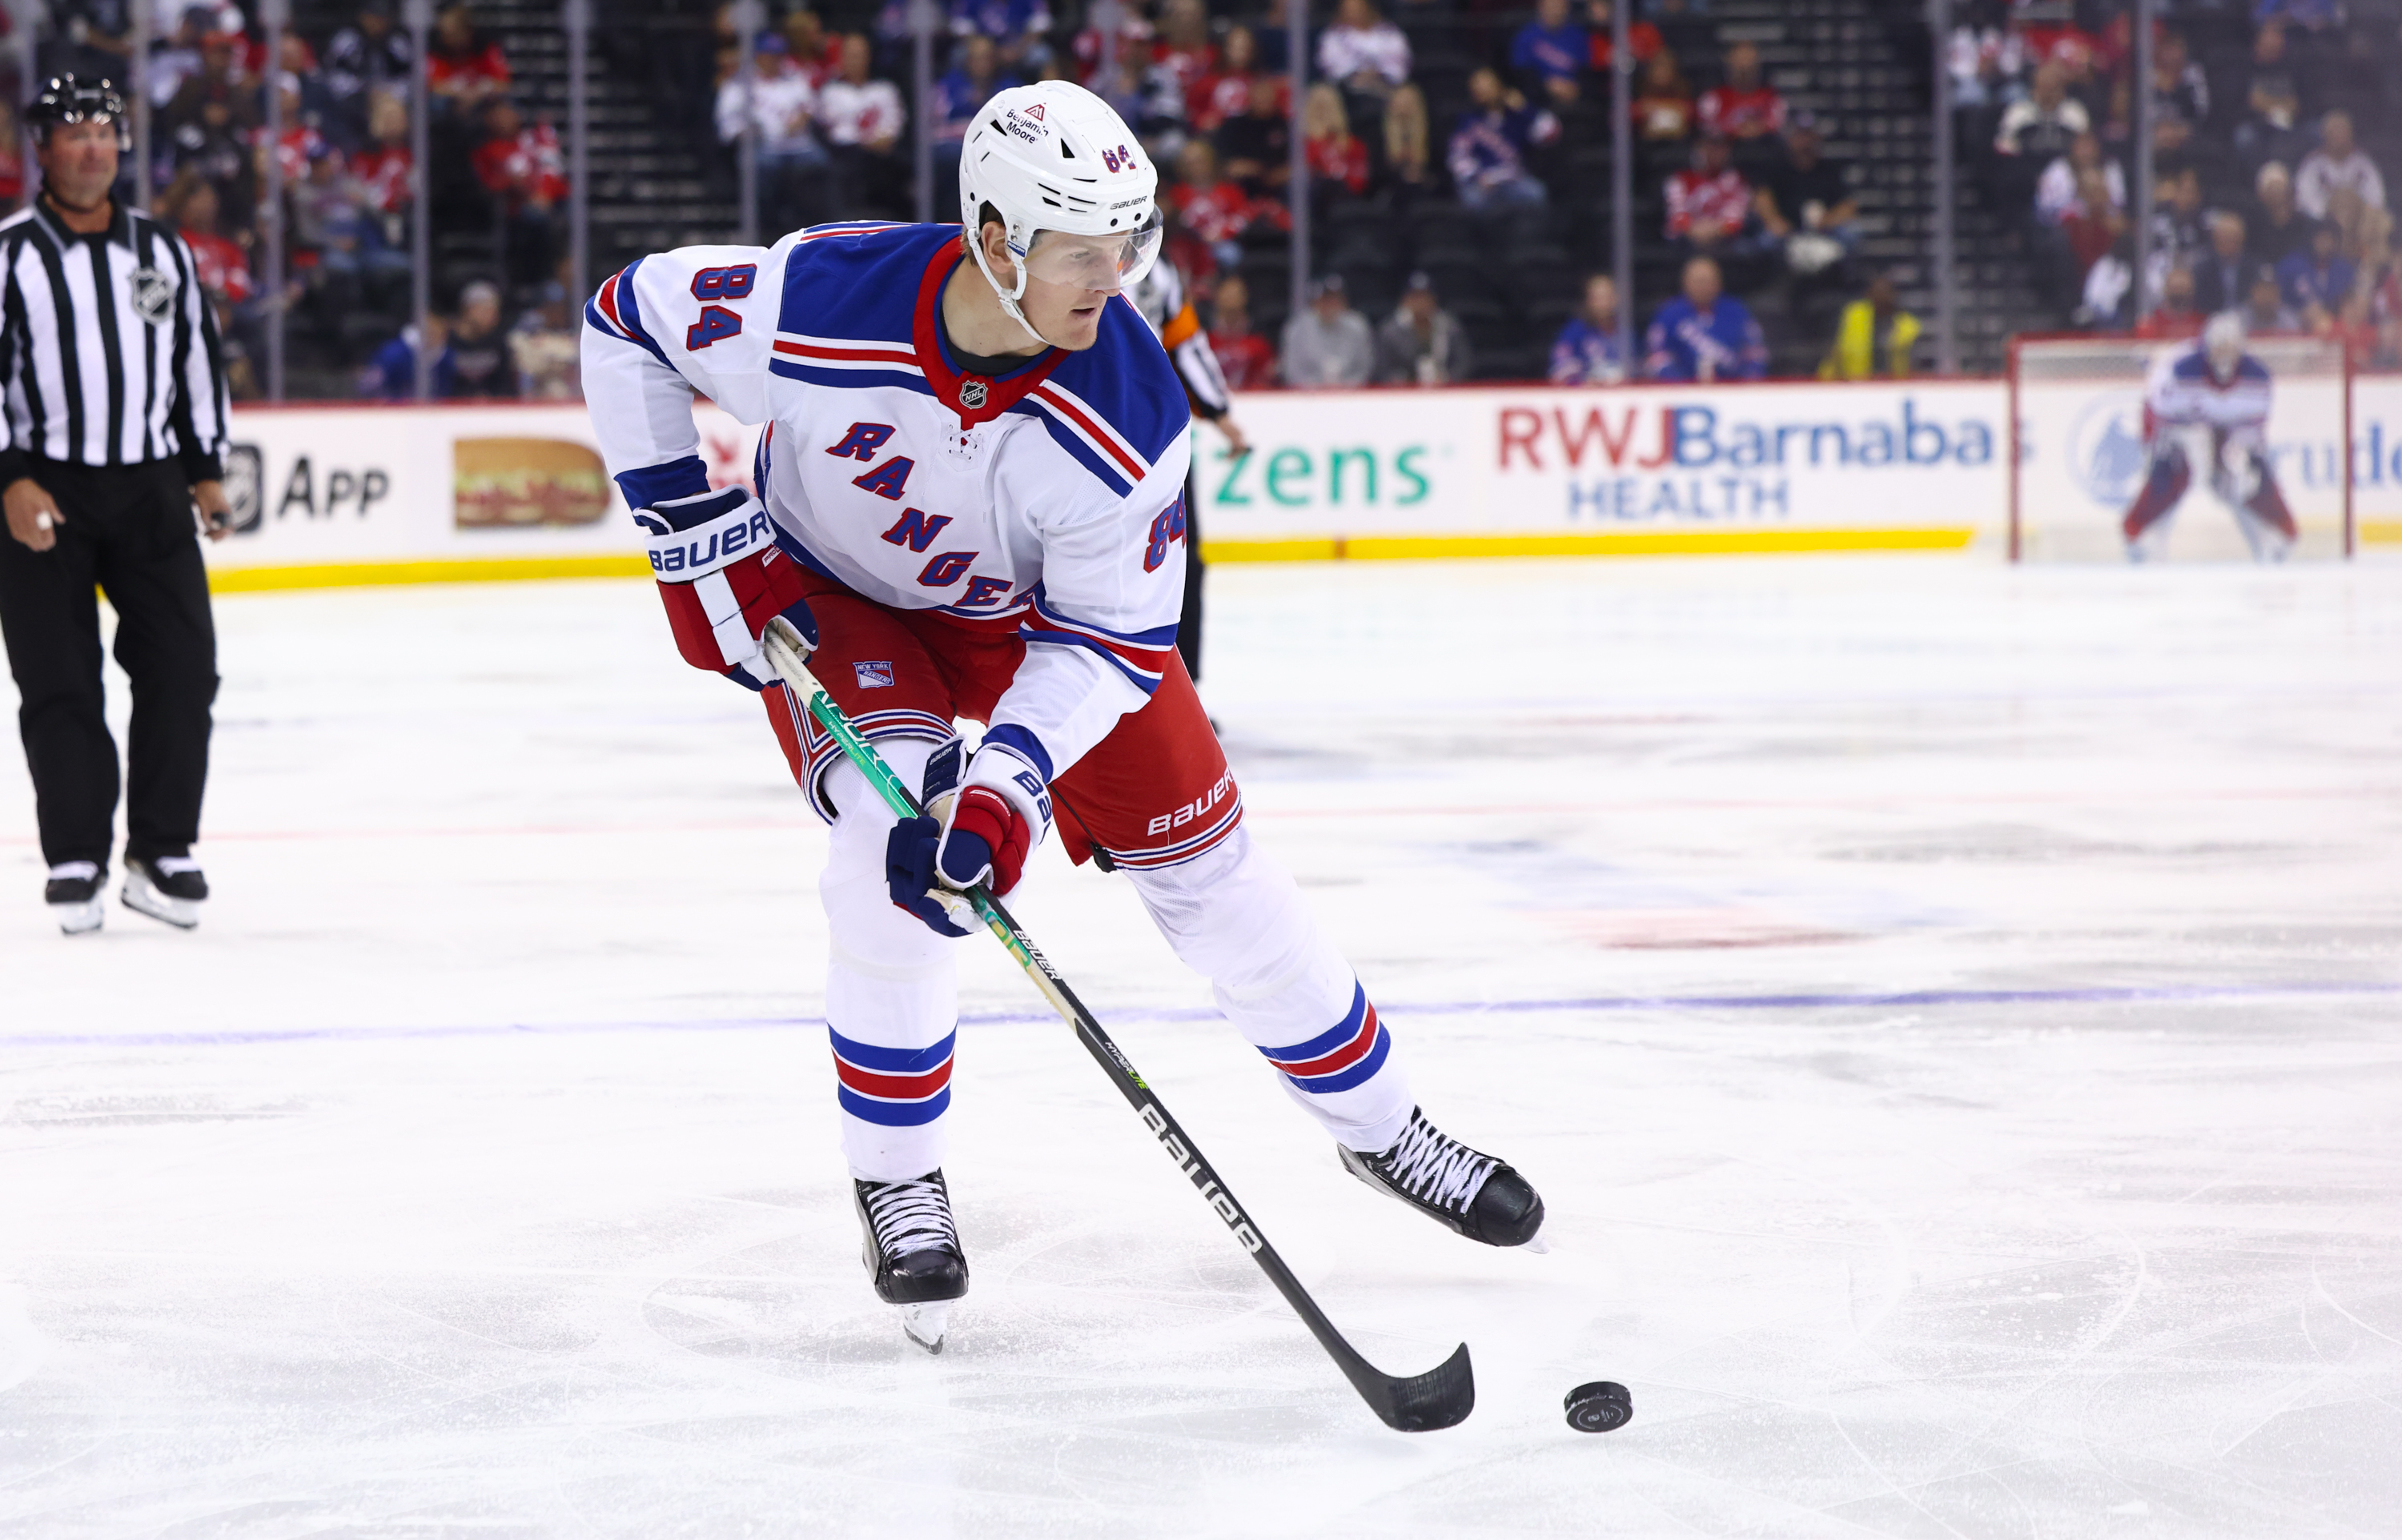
{"x":116,"y":430}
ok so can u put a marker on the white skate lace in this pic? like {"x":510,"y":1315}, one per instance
{"x":75,"y":872}
{"x":1433,"y":1167}
{"x":911,"y":1217}
{"x":169,"y":866}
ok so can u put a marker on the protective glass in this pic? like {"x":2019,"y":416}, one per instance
{"x":1094,"y":261}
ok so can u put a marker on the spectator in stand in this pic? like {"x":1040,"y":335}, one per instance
{"x":1209,"y":214}
{"x":2264,"y":306}
{"x":1643,"y":39}
{"x":2270,"y":129}
{"x":2222,"y":274}
{"x":1244,"y":357}
{"x":1745,"y":107}
{"x":863,"y":118}
{"x":2061,"y":188}
{"x":1705,"y":334}
{"x":2308,"y":16}
{"x":2316,"y":281}
{"x":975,"y":75}
{"x":176,"y":57}
{"x":478,"y":353}
{"x":368,"y":56}
{"x":382,"y":167}
{"x":299,"y":143}
{"x":2041,"y":126}
{"x":391,"y":375}
{"x":2090,"y":230}
{"x":1489,"y":148}
{"x":1410,"y":171}
{"x":463,"y":68}
{"x":2180,"y":224}
{"x":1663,"y":107}
{"x":522,"y":171}
{"x":1362,"y":52}
{"x":792,"y":163}
{"x":2109,"y":289}
{"x":1018,"y":30}
{"x":1806,"y":205}
{"x":1985,"y":59}
{"x":1336,"y":158}
{"x":1551,"y":53}
{"x":1422,"y":343}
{"x":1587,"y":351}
{"x":809,"y":49}
{"x":1709,"y":204}
{"x":12,"y":163}
{"x":1225,"y":92}
{"x":1328,"y":342}
{"x":190,"y":205}
{"x":546,"y":350}
{"x":1256,"y":147}
{"x":2176,"y":318}
{"x":2180,"y":99}
{"x":2337,"y":162}
{"x":2279,"y":227}
{"x":1873,"y":336}
{"x":210,"y":122}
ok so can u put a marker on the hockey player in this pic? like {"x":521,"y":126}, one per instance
{"x":972,"y":471}
{"x":2213,"y":395}
{"x":1162,"y":298}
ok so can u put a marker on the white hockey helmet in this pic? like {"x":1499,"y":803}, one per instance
{"x":1053,"y":157}
{"x":2222,"y":342}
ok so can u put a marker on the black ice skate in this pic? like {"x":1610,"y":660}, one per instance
{"x":73,"y":893}
{"x":1467,"y":1190}
{"x":912,"y":1248}
{"x":169,"y":889}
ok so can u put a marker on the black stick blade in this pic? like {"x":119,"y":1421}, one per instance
{"x":1442,"y":1397}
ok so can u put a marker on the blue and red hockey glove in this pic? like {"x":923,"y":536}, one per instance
{"x":723,"y":579}
{"x":983,"y":818}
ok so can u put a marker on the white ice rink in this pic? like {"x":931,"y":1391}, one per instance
{"x":1955,"y":1015}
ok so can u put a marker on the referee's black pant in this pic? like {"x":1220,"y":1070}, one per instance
{"x":127,"y":532}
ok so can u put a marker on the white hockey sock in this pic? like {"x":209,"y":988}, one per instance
{"x":1235,"y":915}
{"x":891,"y":990}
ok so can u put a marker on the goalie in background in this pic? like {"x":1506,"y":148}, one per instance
{"x":2212,"y":396}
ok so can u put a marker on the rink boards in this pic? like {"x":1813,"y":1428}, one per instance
{"x":379,"y":494}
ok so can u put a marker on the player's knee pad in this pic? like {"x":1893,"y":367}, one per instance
{"x":1235,"y":916}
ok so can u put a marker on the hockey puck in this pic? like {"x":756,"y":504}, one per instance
{"x":1599,"y":1407}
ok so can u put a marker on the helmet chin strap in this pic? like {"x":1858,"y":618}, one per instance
{"x":1008,"y":297}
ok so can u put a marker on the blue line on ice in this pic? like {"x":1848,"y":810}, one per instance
{"x":2145,"y":995}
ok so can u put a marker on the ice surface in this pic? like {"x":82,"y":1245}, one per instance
{"x":1952,"y":1013}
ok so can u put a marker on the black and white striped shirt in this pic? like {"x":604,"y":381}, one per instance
{"x":108,"y":348}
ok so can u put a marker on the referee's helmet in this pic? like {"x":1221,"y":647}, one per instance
{"x":66,"y":99}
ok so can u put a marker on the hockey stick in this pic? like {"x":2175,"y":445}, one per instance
{"x":1439,"y":1398}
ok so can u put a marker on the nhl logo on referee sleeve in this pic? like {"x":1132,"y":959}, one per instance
{"x":972,"y":394}
{"x":154,"y":296}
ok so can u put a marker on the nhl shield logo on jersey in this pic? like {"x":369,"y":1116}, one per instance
{"x":154,"y":296}
{"x":973,"y":395}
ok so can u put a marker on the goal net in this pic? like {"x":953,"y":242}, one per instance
{"x":2078,"y":404}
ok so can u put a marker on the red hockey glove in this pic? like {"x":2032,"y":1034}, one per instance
{"x":723,"y":579}
{"x":979,"y":832}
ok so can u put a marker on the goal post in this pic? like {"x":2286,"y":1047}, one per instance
{"x":2076,"y":423}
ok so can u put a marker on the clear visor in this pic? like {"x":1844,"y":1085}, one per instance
{"x":1093,"y":261}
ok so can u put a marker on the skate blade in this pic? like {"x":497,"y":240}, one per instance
{"x":925,"y":1323}
{"x":142,"y":898}
{"x":1539,"y":1243}
{"x":78,"y":919}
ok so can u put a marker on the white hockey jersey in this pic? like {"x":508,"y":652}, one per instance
{"x":1050,"y":496}
{"x":2180,"y":391}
